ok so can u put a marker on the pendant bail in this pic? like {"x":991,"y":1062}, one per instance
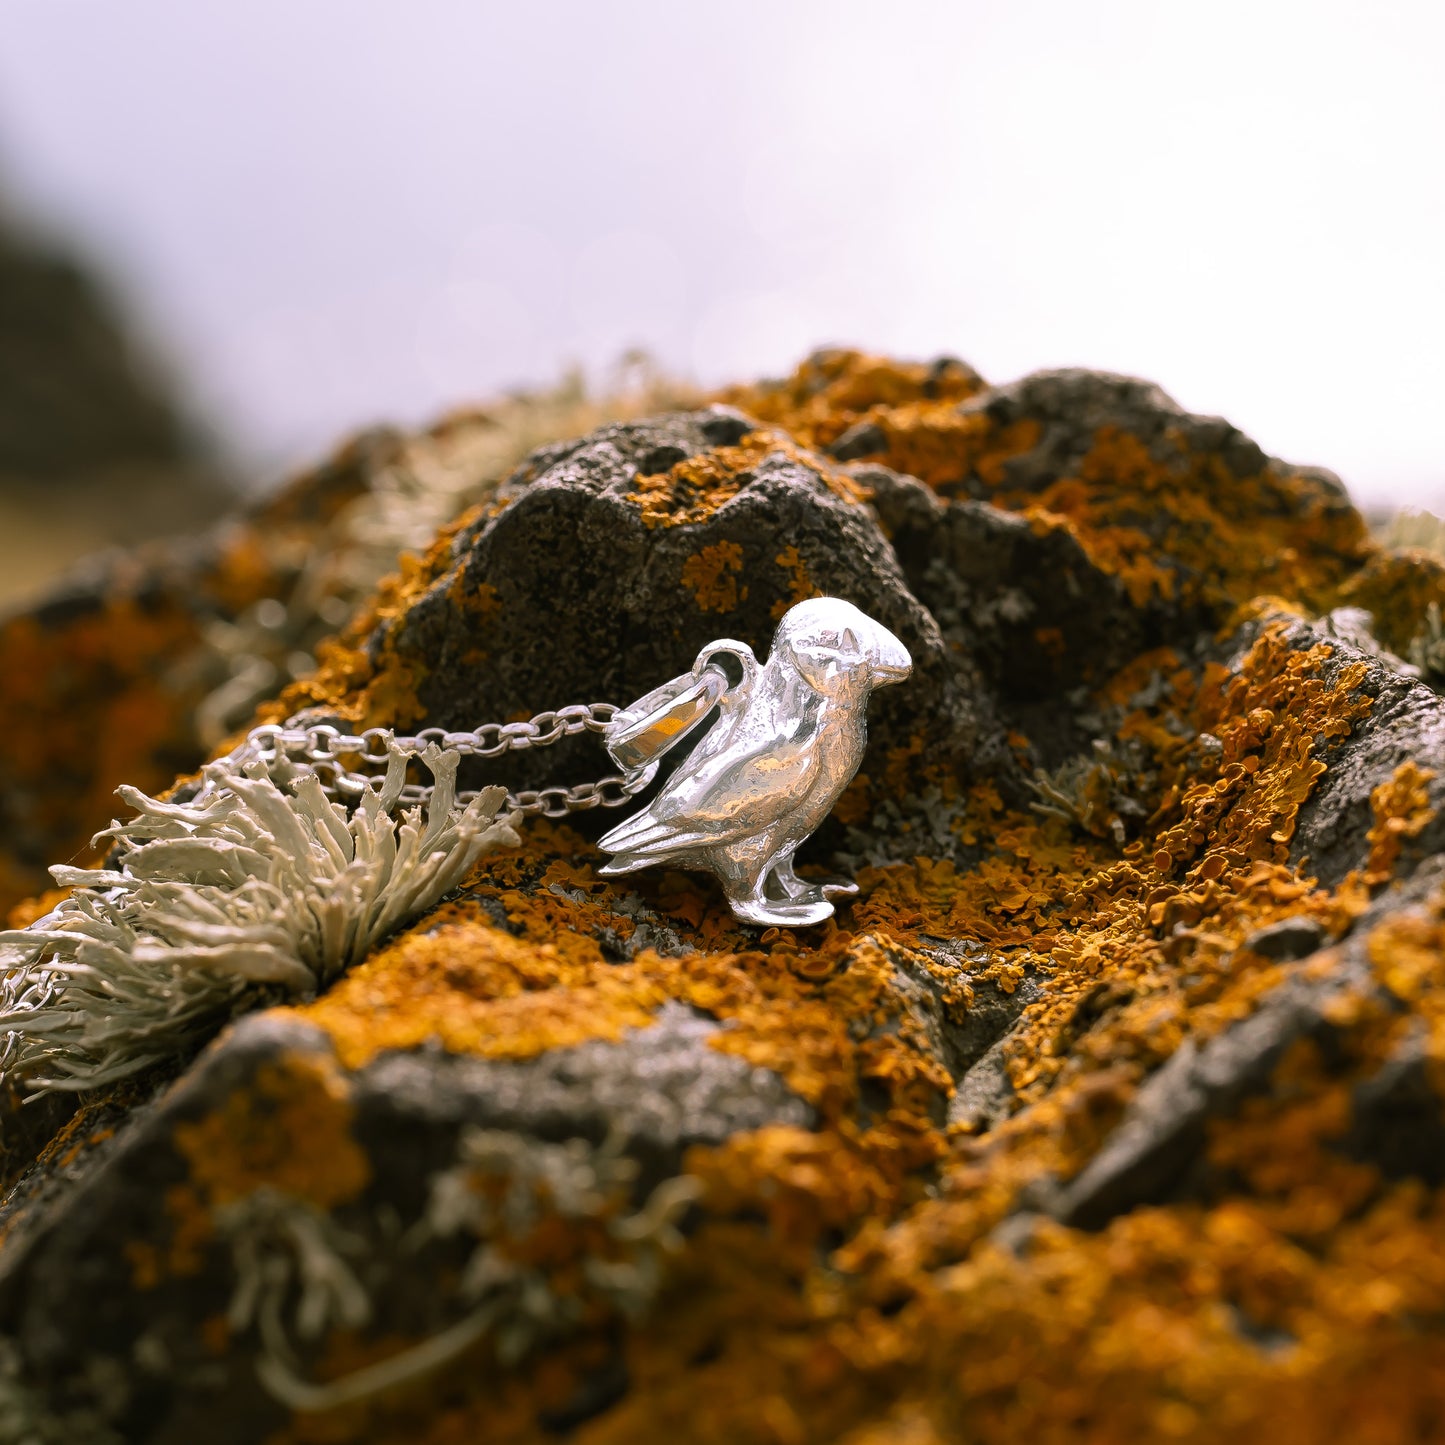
{"x":660,"y":720}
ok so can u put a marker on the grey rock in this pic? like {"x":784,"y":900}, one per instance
{"x":1070,"y":405}
{"x":657,"y":1091}
{"x":991,"y":1013}
{"x":1288,"y":939}
{"x":984,"y":1096}
{"x":562,"y":592}
{"x":862,"y":439}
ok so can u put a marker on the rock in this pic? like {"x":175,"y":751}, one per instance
{"x":1405,"y":724}
{"x":1157,"y":1150}
{"x":1287,"y":940}
{"x":860,"y":440}
{"x":1108,"y":1106}
{"x":367,"y":1147}
{"x":605,"y":567}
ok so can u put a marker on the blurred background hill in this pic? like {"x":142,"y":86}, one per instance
{"x":94,"y":447}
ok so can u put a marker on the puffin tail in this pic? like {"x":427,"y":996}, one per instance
{"x":639,"y":842}
{"x":623,"y":863}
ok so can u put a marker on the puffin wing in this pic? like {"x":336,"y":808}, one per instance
{"x":729,"y":796}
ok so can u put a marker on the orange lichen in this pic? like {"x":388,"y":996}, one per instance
{"x":712,"y":577}
{"x":834,"y":391}
{"x":1402,"y":810}
{"x":476,"y":989}
{"x":1170,"y":523}
{"x":694,"y":488}
{"x":23,"y":914}
{"x":289,"y":1128}
{"x":800,"y":585}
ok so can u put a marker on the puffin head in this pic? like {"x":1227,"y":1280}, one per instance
{"x":838,"y":650}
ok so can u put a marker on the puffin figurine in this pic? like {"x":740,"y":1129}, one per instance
{"x":788,"y":738}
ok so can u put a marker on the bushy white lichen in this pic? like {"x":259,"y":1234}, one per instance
{"x":575,"y":1180}
{"x":250,"y":892}
{"x":1091,"y":790}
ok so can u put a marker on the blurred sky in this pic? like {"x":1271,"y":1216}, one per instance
{"x":338,"y":211}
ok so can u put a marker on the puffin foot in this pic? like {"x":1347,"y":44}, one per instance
{"x":814,"y":890}
{"x":810,"y":889}
{"x":782,"y":912}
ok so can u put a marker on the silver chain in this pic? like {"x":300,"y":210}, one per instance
{"x":320,"y":748}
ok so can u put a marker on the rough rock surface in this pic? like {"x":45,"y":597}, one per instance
{"x":1109,"y":1110}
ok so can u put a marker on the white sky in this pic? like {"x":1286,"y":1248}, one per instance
{"x":341,"y":211}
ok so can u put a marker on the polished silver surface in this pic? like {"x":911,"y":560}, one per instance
{"x":788,"y":738}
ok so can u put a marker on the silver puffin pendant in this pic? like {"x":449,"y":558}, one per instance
{"x":787,"y":739}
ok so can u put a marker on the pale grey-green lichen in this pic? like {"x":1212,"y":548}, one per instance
{"x":502,"y":1186}
{"x":286,"y":1250}
{"x":247,"y":893}
{"x":1427,"y":648}
{"x":26,"y":1418}
{"x":1356,"y":625}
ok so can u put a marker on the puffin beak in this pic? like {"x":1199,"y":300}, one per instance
{"x":892,"y":662}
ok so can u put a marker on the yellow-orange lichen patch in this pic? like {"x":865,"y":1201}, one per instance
{"x":711,"y":575}
{"x":23,"y":914}
{"x":800,"y":584}
{"x":462,"y":981}
{"x":1229,"y":1320}
{"x":696,"y":487}
{"x":472,"y":987}
{"x":1402,"y":810}
{"x":834,"y":391}
{"x":289,"y":1127}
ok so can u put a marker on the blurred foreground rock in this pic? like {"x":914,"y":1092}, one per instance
{"x":1110,"y":1110}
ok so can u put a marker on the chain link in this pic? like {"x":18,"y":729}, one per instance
{"x":320,"y":748}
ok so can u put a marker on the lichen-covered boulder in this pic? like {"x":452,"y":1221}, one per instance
{"x":138,"y":664}
{"x":1110,"y":1109}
